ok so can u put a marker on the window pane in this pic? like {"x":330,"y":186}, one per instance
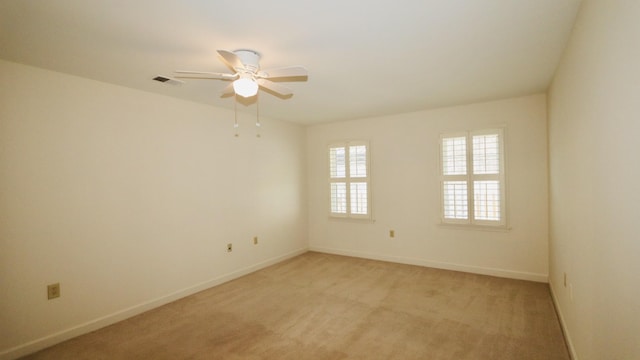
{"x":337,"y":163}
{"x":359,"y":198}
{"x":358,"y":161}
{"x":486,"y":154}
{"x":454,"y":156}
{"x":455,"y":200}
{"x":487,"y":200}
{"x":339,"y":198}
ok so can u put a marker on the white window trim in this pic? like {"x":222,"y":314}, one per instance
{"x":348,"y":180}
{"x":470,"y":222}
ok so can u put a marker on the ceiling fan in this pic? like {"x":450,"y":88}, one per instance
{"x":248,"y":77}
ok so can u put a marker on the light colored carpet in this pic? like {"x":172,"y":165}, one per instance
{"x":320,"y":306}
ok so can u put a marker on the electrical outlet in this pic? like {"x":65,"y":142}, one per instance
{"x":392,"y":233}
{"x":229,"y":247}
{"x":53,"y":291}
{"x":255,"y":240}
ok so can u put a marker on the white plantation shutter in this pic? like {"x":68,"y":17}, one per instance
{"x":339,"y":197}
{"x":337,"y":162}
{"x":454,"y":156}
{"x":349,"y":180}
{"x":455,"y":200}
{"x":486,"y":154}
{"x":472,"y":174}
{"x":359,"y":197}
{"x":488,"y":177}
{"x":358,"y":161}
{"x":337,"y":176}
{"x":454,"y":189}
{"x":486,"y":200}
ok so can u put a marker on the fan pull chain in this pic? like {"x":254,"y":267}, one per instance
{"x":257,"y":116}
{"x":235,"y":115}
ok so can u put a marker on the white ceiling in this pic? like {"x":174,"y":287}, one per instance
{"x":365,"y":58}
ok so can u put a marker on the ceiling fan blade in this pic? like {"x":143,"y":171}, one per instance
{"x":228,"y":90}
{"x":210,"y":75}
{"x":288,"y":71}
{"x":231,"y":59}
{"x":277,"y":88}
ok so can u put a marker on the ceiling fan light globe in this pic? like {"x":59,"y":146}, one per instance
{"x":245,"y":87}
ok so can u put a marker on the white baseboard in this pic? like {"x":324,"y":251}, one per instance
{"x":544,"y":278}
{"x":49,"y":340}
{"x":563,"y":324}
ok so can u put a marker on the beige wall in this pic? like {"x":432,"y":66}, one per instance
{"x":406,"y":195}
{"x":594,"y":122}
{"x":128,"y":199}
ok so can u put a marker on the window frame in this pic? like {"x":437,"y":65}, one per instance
{"x":348,"y":179}
{"x":470,"y":178}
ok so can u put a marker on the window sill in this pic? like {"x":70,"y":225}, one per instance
{"x":502,"y":228}
{"x":351,"y":219}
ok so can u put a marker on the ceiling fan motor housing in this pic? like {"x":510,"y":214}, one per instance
{"x":250,"y":59}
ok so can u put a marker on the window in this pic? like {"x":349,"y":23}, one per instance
{"x":349,"y":180}
{"x":472,"y":178}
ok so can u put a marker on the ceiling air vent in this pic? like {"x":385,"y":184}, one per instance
{"x":168,"y":80}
